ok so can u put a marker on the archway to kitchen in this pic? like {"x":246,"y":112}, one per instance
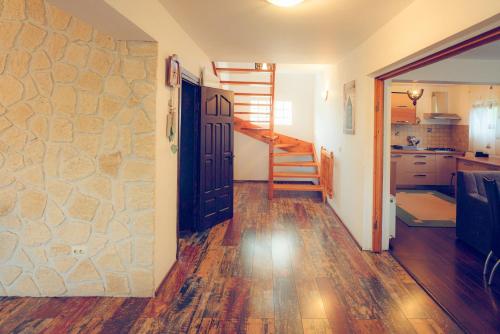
{"x":440,"y":116}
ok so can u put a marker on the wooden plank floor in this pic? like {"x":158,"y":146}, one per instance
{"x":286,"y":266}
{"x":452,"y":272}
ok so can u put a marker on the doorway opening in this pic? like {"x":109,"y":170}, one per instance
{"x":443,"y":111}
{"x":205,"y":163}
{"x":189,"y":134}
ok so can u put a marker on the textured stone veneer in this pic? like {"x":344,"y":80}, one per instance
{"x":77,"y":122}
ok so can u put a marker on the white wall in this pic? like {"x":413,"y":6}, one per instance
{"x":251,"y":156}
{"x":151,"y":16}
{"x":417,"y":30}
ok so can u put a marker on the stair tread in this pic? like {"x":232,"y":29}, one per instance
{"x":298,"y":175}
{"x":252,"y":94}
{"x":255,"y":129}
{"x":256,"y":83}
{"x":272,"y":137}
{"x":285,"y":154}
{"x":248,"y":70}
{"x":284,"y":145}
{"x":250,"y":104}
{"x":251,"y":113}
{"x":297,"y":187}
{"x":297,"y":163}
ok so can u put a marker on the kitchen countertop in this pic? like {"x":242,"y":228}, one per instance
{"x":492,"y":161}
{"x":426,"y":152}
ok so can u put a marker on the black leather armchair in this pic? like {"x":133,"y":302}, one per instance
{"x":473,"y":220}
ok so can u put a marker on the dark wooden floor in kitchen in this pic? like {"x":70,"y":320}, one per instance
{"x":286,"y":266}
{"x":452,"y":272}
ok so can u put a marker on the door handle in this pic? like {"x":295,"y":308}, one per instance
{"x":420,"y":175}
{"x":420,"y":163}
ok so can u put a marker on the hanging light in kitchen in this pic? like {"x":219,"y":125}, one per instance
{"x":415,"y":94}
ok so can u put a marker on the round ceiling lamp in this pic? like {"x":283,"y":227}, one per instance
{"x":285,"y":3}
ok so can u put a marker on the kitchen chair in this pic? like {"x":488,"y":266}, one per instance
{"x":494,"y":206}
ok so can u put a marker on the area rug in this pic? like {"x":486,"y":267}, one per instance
{"x":425,"y":208}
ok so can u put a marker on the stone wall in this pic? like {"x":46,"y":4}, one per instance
{"x":77,"y":124}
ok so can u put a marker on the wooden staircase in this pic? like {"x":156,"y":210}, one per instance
{"x":293,"y":164}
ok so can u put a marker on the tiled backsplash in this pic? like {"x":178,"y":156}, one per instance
{"x":432,"y":135}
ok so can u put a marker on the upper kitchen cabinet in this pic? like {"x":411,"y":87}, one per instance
{"x":402,"y":109}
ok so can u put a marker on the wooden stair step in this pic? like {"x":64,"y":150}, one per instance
{"x":254,"y":83}
{"x":254,"y":129}
{"x":241,"y":70}
{"x":296,"y":175}
{"x":284,"y":145}
{"x":251,"y":113}
{"x":271,"y":137}
{"x":253,"y":94}
{"x":287,"y":154}
{"x":297,"y":187}
{"x":252,"y":104}
{"x":296,"y":164}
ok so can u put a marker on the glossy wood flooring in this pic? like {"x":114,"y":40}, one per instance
{"x":286,"y":266}
{"x":452,"y":272}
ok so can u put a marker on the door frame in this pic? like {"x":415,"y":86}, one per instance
{"x":378,"y":158}
{"x":195,"y":80}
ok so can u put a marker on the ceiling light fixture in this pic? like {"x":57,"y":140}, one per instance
{"x":285,"y":3}
{"x":414,"y":95}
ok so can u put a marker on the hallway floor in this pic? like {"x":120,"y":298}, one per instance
{"x":286,"y":266}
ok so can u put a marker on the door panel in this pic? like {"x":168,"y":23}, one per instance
{"x":216,"y":156}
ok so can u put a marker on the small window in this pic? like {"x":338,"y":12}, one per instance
{"x":483,"y":127}
{"x":283,"y":113}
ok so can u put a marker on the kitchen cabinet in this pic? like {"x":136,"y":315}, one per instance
{"x":446,"y":170}
{"x":418,"y":169}
{"x":402,"y":109}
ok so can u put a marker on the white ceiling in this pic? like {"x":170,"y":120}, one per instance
{"x":105,"y":18}
{"x":316,"y":31}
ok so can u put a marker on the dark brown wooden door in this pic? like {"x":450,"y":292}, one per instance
{"x":216,"y":156}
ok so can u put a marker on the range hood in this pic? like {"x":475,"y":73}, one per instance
{"x":440,"y":108}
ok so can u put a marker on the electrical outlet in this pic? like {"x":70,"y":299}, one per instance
{"x":79,"y":251}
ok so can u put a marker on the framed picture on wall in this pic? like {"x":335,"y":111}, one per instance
{"x":349,"y":107}
{"x":173,"y":75}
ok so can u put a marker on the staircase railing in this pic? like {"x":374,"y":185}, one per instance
{"x":271,"y":127}
{"x":246,"y":89}
{"x":326,"y":167}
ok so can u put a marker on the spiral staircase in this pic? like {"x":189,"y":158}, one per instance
{"x":293,"y":163}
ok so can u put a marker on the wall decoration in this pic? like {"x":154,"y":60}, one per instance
{"x":173,"y":75}
{"x":349,"y":107}
{"x":173,"y":80}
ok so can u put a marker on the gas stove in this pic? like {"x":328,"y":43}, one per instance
{"x":441,"y":149}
